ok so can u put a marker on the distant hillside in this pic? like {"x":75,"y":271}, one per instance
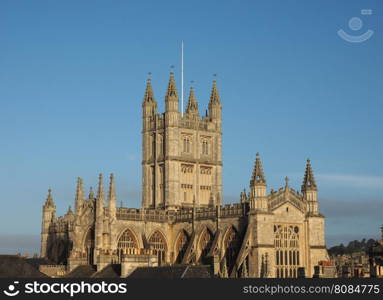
{"x":352,"y":247}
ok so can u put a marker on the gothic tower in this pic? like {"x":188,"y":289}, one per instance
{"x":49,"y":210}
{"x":182,"y":156}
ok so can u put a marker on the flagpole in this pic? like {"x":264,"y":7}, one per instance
{"x":182,"y":78}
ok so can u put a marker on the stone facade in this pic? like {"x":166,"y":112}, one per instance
{"x":182,"y":220}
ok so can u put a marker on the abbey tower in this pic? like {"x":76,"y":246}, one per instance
{"x":181,"y":153}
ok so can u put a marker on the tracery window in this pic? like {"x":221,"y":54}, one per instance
{"x":158,"y":244}
{"x":287,"y":254}
{"x":126,"y":241}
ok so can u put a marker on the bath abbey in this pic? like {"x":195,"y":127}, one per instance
{"x":182,"y":221}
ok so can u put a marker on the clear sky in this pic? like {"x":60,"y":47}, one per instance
{"x":72,"y":78}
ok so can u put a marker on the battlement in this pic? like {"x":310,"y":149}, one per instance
{"x":182,"y":215}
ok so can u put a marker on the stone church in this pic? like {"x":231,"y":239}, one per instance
{"x":182,"y":220}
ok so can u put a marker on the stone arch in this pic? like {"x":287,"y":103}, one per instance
{"x":158,"y":244}
{"x":127,"y":242}
{"x":181,"y":244}
{"x":205,"y":242}
{"x":231,"y":246}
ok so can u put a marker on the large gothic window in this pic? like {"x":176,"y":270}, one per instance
{"x":231,"y":245}
{"x":205,"y":243}
{"x":287,"y":254}
{"x":126,"y":242}
{"x":181,"y":246}
{"x":158,"y":244}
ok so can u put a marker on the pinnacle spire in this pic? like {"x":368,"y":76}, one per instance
{"x":172,"y":90}
{"x":149,"y":95}
{"x":70,"y":210}
{"x":214,"y":96}
{"x":79,"y":195}
{"x":308,"y":180}
{"x":258,"y":176}
{"x":100,"y":192}
{"x":112,"y":191}
{"x":192,"y":107}
{"x":49,"y":201}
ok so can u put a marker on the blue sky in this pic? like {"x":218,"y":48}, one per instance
{"x":72,"y":78}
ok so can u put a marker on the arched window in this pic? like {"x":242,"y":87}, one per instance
{"x":126,"y":242}
{"x":181,"y":245}
{"x":231,"y":246}
{"x":205,"y":243}
{"x":158,"y":244}
{"x":286,"y":242}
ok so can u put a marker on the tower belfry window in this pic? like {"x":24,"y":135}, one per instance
{"x":205,"y":147}
{"x":186,"y":144}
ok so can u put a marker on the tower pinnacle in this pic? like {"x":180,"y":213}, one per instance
{"x":112,"y":191}
{"x":214,"y":97}
{"x":149,"y":95}
{"x":100,"y":192}
{"x":258,"y":176}
{"x":172,"y":90}
{"x":309,"y":180}
{"x":192,"y":107}
{"x":49,"y":201}
{"x":79,"y":195}
{"x":171,"y":97}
